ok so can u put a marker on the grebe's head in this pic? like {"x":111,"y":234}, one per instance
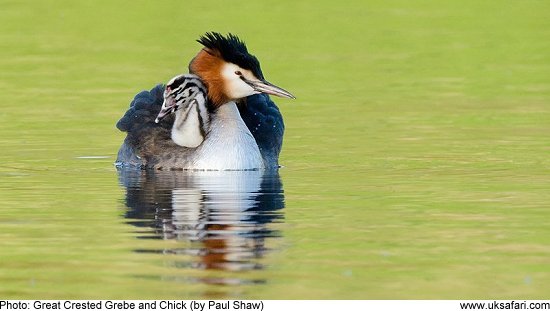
{"x":229,"y":71}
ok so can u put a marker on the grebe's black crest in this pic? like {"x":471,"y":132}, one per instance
{"x":232,"y":50}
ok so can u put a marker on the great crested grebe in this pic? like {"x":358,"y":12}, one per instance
{"x":195,"y":123}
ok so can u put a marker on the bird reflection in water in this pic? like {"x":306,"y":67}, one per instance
{"x":221,"y":218}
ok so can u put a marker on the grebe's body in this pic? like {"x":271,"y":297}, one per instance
{"x":229,"y":144}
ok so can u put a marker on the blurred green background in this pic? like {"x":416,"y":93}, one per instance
{"x":416,"y":155}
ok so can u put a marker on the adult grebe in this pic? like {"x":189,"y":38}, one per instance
{"x":208,"y":130}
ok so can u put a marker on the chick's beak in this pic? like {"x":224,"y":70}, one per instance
{"x":168,"y":106}
{"x":263,"y":86}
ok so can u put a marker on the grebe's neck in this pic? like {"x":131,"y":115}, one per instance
{"x":229,"y":145}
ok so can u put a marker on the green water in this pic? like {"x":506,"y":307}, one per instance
{"x":416,"y":155}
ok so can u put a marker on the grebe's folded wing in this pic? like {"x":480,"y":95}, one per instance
{"x":265,"y":122}
{"x":143,"y":109}
{"x":142,"y":131}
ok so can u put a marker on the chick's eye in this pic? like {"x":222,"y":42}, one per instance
{"x":238,"y":73}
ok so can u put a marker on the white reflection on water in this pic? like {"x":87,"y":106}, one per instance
{"x":221,"y":218}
